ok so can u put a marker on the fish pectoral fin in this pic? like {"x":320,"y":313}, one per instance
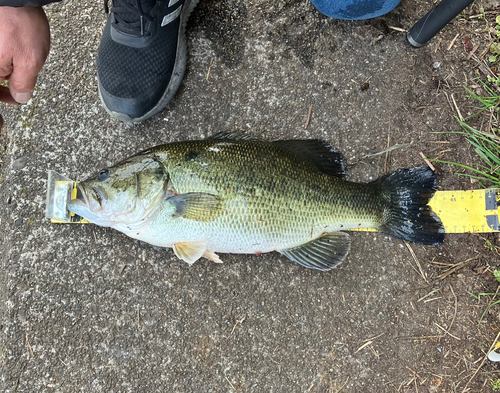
{"x":320,"y":153}
{"x":323,"y":253}
{"x":212,"y":256}
{"x":190,"y":252}
{"x":197,"y":206}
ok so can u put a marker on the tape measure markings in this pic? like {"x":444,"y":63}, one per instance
{"x":474,"y":211}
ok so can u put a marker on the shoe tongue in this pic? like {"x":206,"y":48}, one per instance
{"x":131,"y":17}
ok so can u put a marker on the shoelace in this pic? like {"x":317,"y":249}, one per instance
{"x":130,"y":15}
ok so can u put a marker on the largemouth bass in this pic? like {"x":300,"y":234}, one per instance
{"x":234,"y":194}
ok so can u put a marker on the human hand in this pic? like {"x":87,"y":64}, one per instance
{"x":24,"y":46}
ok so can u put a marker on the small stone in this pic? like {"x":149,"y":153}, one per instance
{"x":20,"y":163}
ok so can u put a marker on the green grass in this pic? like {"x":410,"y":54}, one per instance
{"x":487,"y":102}
{"x":496,"y":273}
{"x":478,"y":296}
{"x":489,"y":305}
{"x":485,"y":143}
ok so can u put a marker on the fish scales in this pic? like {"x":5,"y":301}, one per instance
{"x":270,"y":195}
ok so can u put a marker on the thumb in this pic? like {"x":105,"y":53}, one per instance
{"x":22,"y":82}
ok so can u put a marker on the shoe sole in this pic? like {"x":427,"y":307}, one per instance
{"x":177,"y":73}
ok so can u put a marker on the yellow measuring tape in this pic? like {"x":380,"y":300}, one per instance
{"x":474,"y":211}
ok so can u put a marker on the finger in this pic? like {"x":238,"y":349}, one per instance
{"x":22,"y":80}
{"x":5,"y":96}
{"x":21,"y":86}
{"x":5,"y":71}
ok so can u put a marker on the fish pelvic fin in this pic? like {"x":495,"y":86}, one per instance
{"x":190,"y":252}
{"x":323,"y":253}
{"x":212,"y":256}
{"x":407,"y":215}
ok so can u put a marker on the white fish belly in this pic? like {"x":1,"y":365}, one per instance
{"x":231,"y":237}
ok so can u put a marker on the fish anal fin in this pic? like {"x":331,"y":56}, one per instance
{"x":190,"y":252}
{"x":320,"y":153}
{"x":196,"y":206}
{"x":212,"y":256}
{"x":323,"y":253}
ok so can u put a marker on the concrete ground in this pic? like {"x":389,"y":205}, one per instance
{"x":88,"y":309}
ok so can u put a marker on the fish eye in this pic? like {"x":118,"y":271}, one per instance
{"x":103,"y":174}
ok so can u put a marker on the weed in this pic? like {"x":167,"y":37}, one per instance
{"x":495,"y":46}
{"x":496,"y":273}
{"x":497,"y":27}
{"x":491,"y":247}
{"x":481,"y":13}
{"x":474,"y":296}
{"x":495,"y":384}
{"x":489,"y":305}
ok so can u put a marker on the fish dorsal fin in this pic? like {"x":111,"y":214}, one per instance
{"x":196,"y":206}
{"x":235,"y":136}
{"x":323,"y":253}
{"x":190,"y":252}
{"x":321,"y":153}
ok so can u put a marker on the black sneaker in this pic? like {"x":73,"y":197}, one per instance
{"x":142,"y":56}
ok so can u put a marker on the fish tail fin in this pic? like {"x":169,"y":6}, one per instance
{"x":407,"y":215}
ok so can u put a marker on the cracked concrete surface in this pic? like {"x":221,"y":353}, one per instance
{"x":88,"y":309}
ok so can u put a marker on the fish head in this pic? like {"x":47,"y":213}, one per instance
{"x":128,"y":193}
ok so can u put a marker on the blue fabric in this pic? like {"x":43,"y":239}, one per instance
{"x":355,"y":9}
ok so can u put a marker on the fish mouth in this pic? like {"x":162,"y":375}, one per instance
{"x":84,"y":195}
{"x":81,"y":203}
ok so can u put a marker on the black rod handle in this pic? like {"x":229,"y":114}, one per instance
{"x":437,"y":18}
